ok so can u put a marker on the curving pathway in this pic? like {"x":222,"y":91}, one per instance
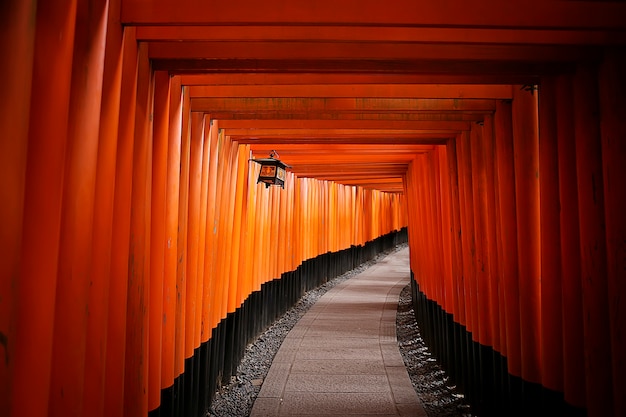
{"x":342,"y":357}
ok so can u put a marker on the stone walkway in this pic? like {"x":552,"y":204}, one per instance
{"x":342,"y":357}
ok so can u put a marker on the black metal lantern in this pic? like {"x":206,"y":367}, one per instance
{"x":272,"y":171}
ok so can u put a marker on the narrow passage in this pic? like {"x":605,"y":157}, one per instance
{"x":342,"y":358}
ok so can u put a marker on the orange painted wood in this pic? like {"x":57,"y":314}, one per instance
{"x":596,"y":321}
{"x":479,"y":192}
{"x":482,"y":13}
{"x":31,"y":348}
{"x":446,"y":232}
{"x":572,"y":311}
{"x":429,"y":55}
{"x":236,"y":297}
{"x":211,"y":245}
{"x":204,"y":279}
{"x":75,"y":270}
{"x":339,"y":104}
{"x":221,"y":215}
{"x":550,"y":240}
{"x":137,"y":319}
{"x":508,"y":267}
{"x":193,"y":233}
{"x":174,"y":286}
{"x":458,"y":308}
{"x":97,"y":324}
{"x":613,"y":154}
{"x":118,"y":284}
{"x":203,"y":125}
{"x":158,"y":242}
{"x":467,"y":232}
{"x":526,"y":165}
{"x":395,"y":91}
{"x":169,"y":301}
{"x":286,"y":115}
{"x":17,"y":49}
{"x":382,"y":34}
{"x":488,"y":149}
{"x":277,"y":78}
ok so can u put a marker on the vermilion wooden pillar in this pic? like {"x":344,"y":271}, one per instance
{"x":613,"y":131}
{"x":457,"y":257}
{"x":526,"y":165}
{"x":479,"y":194}
{"x":75,"y":250}
{"x":137,"y":319}
{"x":467,"y":231}
{"x":211,"y":242}
{"x":118,"y":285}
{"x":508,"y":265}
{"x":158,"y":242}
{"x":170,"y":299}
{"x":488,"y":149}
{"x":194,"y":231}
{"x":47,"y":137}
{"x":203,"y":279}
{"x":573,"y":346}
{"x":551,"y":321}
{"x":447,"y":233}
{"x":176,"y":226}
{"x":16,"y":51}
{"x":596,"y":321}
{"x":97,"y":324}
{"x":235,"y":298}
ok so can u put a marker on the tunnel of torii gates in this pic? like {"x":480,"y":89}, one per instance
{"x":139,"y":255}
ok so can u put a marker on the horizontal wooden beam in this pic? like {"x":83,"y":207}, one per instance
{"x":414,"y":91}
{"x":294,"y":149}
{"x":534,"y":36}
{"x":211,"y":105}
{"x":277,"y":78}
{"x":308,"y":127}
{"x":424,"y":52}
{"x":421,"y":138}
{"x":515,"y":14}
{"x":467,"y":116}
{"x":484,"y":71}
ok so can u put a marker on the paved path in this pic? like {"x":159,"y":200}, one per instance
{"x":342,"y":357}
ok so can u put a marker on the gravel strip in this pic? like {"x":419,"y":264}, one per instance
{"x":439,"y":398}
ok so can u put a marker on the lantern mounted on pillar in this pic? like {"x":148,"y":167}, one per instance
{"x":272,"y":170}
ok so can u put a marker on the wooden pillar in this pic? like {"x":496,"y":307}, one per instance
{"x":457,"y":258}
{"x":589,"y":172}
{"x":467,"y":232}
{"x":46,"y":136}
{"x":551,"y":322}
{"x":178,"y":202}
{"x":203,"y":278}
{"x":75,"y":251}
{"x":508,"y":265}
{"x":208,"y":307}
{"x":138,"y":295}
{"x":17,"y":47}
{"x":447,"y":233}
{"x":118,"y":285}
{"x":479,"y":197}
{"x":488,"y":151}
{"x":235,"y":296}
{"x":571,"y":283}
{"x":613,"y":131}
{"x":526,"y":165}
{"x":197,"y":127}
{"x":158,"y":242}
{"x":97,"y":323}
